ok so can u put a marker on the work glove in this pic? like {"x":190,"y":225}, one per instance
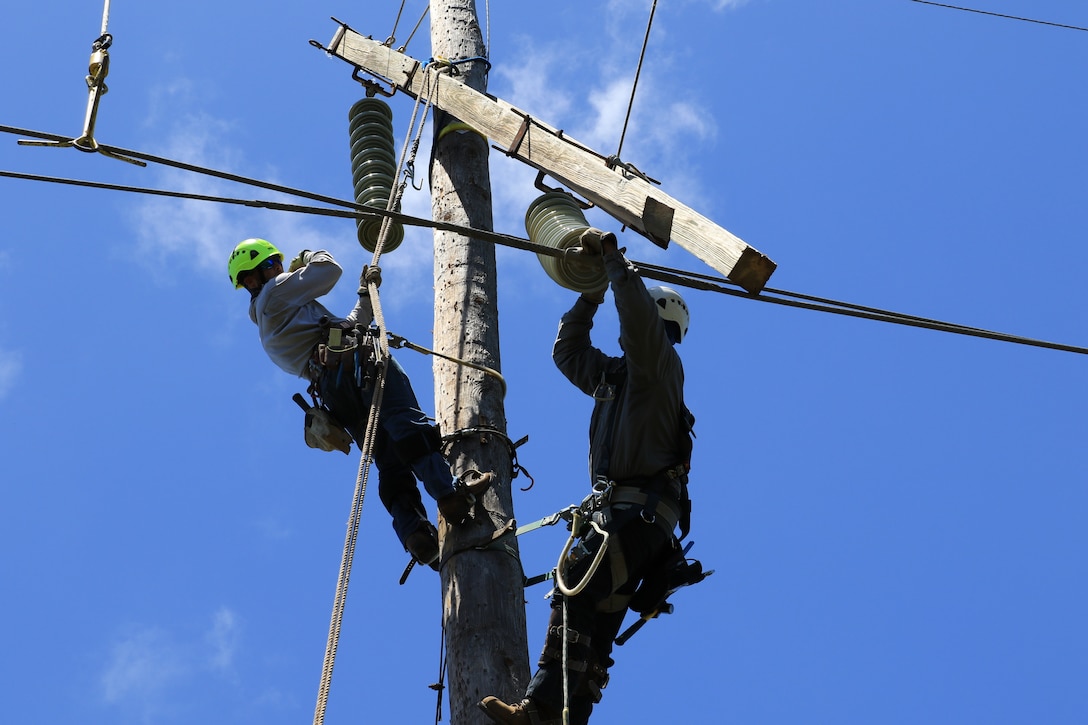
{"x":590,"y":240}
{"x":596,"y":242}
{"x":300,"y":260}
{"x":369,"y":275}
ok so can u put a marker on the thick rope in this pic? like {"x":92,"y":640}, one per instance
{"x":566,"y":675}
{"x":350,"y":540}
{"x":105,"y":17}
{"x":372,"y":278}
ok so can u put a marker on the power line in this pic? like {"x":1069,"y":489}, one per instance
{"x":690,"y":280}
{"x":1001,"y":15}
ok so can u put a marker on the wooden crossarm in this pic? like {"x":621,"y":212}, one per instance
{"x":627,"y":197}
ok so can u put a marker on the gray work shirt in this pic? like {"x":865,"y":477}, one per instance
{"x":643,"y":418}
{"x":288,"y":315}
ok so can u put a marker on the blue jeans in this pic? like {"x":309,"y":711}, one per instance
{"x":405,"y":444}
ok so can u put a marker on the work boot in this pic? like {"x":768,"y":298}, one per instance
{"x":422,"y":544}
{"x":523,"y":713}
{"x":456,"y":506}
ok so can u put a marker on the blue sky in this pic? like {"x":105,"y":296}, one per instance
{"x":895,"y":516}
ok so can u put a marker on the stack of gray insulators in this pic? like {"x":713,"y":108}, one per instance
{"x":373,"y":169}
{"x":555,"y":220}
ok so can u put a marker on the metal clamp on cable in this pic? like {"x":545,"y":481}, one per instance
{"x":97,"y":69}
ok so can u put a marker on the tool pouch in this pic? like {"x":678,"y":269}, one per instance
{"x":321,"y":430}
{"x":330,"y":357}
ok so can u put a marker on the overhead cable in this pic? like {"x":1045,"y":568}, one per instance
{"x":691,"y":280}
{"x":1001,"y":15}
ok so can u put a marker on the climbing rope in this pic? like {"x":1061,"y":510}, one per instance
{"x":566,"y":591}
{"x":440,"y":686}
{"x":372,"y":278}
{"x":566,"y":659}
{"x":351,"y":538}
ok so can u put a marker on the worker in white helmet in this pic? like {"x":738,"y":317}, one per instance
{"x":639,"y":454}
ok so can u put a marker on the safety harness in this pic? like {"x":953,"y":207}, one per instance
{"x":342,"y":347}
{"x":661,"y":497}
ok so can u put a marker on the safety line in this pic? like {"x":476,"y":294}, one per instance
{"x":634,"y":84}
{"x":1001,"y":15}
{"x":664,"y":274}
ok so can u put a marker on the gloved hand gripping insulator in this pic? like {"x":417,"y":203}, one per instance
{"x":555,"y":220}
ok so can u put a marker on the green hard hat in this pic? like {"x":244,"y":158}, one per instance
{"x":247,"y":255}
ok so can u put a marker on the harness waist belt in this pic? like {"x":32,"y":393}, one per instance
{"x":666,"y":509}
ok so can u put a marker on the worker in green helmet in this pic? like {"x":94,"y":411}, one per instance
{"x":295,"y":330}
{"x":640,"y":449}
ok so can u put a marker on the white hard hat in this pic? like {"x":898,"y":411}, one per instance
{"x":672,"y":308}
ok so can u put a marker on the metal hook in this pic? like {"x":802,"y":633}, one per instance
{"x":372,"y":88}
{"x":539,"y":184}
{"x":97,"y":69}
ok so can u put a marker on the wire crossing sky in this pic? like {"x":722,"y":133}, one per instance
{"x":1000,"y":15}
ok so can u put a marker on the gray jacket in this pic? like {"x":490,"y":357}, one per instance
{"x":288,"y":314}
{"x":642,"y":420}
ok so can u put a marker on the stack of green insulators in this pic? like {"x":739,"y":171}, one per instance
{"x":555,"y":220}
{"x":373,"y":169}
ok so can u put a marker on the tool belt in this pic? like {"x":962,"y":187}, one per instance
{"x":340,"y":347}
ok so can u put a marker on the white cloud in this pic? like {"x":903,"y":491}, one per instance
{"x":727,"y":4}
{"x":149,"y":668}
{"x":143,"y":666}
{"x":204,"y":232}
{"x":11,"y":365}
{"x":223,"y":639}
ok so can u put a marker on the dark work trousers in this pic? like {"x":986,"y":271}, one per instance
{"x":403,"y":431}
{"x":641,"y":543}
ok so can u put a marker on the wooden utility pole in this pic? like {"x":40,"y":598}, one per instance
{"x":482,"y":586}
